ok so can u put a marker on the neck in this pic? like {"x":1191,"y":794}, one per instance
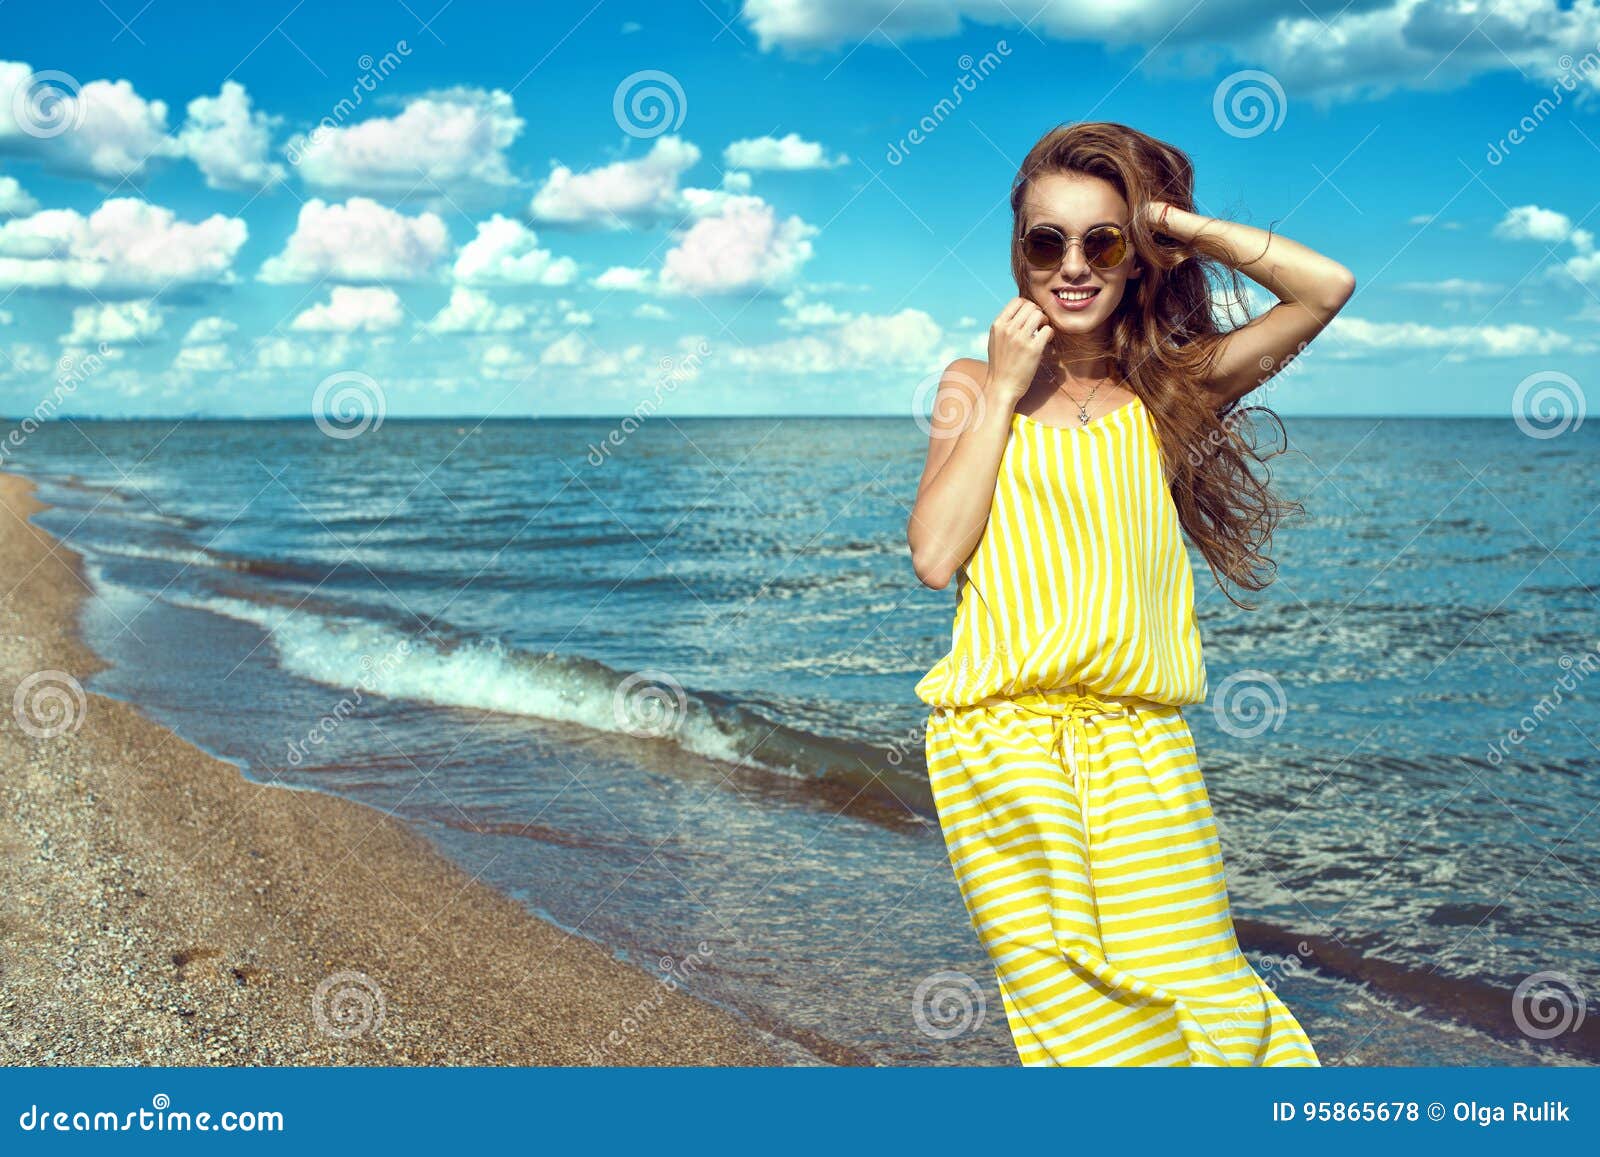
{"x":1079,"y":359}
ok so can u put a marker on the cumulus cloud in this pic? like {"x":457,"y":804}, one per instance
{"x":506,"y":252}
{"x":742,"y":247}
{"x":1340,"y":50}
{"x":25,"y":358}
{"x":804,"y":314}
{"x":14,"y":200}
{"x":909,"y":339}
{"x":114,"y":323}
{"x":626,"y":278}
{"x":1549,"y":227}
{"x":125,"y":244}
{"x":207,"y":330}
{"x":104,"y":129}
{"x":619,"y":195}
{"x":210,"y":358}
{"x":228,"y":140}
{"x":791,"y":152}
{"x":351,"y":309}
{"x":470,"y":311}
{"x":569,"y":350}
{"x":1531,"y":223}
{"x":449,"y":141}
{"x":1352,"y":336}
{"x":359,"y":240}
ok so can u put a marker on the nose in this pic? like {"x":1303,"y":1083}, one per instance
{"x":1072,"y":260}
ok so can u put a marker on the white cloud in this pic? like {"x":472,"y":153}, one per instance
{"x":1354,"y":335}
{"x":125,"y":244}
{"x":447,"y":141}
{"x":570,"y":350}
{"x":26,"y":358}
{"x":803,"y":314}
{"x":208,"y":330}
{"x":359,"y":240}
{"x":505,"y":362}
{"x":618,"y":195}
{"x":352,"y":308}
{"x":14,"y":199}
{"x":209,"y":358}
{"x":110,"y":132}
{"x":909,"y":339}
{"x":229,"y":142}
{"x":115,"y":323}
{"x":625,"y":278}
{"x":1531,"y":223}
{"x":650,"y":311}
{"x":1451,"y":286}
{"x":1336,"y":50}
{"x":506,"y":252}
{"x":282,"y":353}
{"x":742,"y":247}
{"x":791,"y":152}
{"x":469,"y":311}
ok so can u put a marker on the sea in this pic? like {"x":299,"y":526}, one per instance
{"x":654,"y":680}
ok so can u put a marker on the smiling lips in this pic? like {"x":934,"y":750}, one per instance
{"x":1075,"y":298}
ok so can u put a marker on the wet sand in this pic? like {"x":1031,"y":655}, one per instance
{"x":158,"y":908}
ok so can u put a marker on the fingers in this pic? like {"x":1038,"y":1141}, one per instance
{"x":1028,"y":318}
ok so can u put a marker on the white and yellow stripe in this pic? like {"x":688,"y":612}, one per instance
{"x":1073,"y":808}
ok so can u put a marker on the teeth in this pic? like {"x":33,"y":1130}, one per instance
{"x":1076,"y":294}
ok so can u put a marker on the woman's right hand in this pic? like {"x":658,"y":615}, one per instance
{"x":1016,"y":343}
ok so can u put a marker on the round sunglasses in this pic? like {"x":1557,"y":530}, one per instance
{"x":1104,"y":246}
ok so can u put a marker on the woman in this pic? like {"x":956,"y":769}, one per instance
{"x":1058,"y":476}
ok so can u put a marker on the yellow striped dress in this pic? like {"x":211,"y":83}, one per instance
{"x":1065,"y":776}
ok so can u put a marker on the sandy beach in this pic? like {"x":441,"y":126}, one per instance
{"x":161,"y":909}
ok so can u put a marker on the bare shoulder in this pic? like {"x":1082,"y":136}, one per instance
{"x":974,"y":368}
{"x":960,"y":388}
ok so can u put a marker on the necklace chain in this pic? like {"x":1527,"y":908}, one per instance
{"x":1083,"y":406}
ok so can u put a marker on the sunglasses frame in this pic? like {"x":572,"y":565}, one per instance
{"x":1067,"y":239}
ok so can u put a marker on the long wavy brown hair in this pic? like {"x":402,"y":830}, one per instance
{"x":1164,"y":335}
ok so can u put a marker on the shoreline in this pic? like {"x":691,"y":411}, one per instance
{"x":162,"y":909}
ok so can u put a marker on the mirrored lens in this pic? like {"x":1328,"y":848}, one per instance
{"x":1104,"y":247}
{"x":1043,"y":246}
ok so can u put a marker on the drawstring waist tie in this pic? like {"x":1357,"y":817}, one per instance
{"x":1070,"y":706}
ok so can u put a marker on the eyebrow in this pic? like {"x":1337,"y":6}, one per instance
{"x":1030,"y":224}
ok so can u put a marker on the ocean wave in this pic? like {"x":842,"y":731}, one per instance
{"x":445,"y":670}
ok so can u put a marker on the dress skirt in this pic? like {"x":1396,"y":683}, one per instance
{"x":1082,"y":840}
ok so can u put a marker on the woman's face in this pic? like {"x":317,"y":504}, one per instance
{"x":1076,"y":203}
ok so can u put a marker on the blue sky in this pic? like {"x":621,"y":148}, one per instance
{"x":214,"y":209}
